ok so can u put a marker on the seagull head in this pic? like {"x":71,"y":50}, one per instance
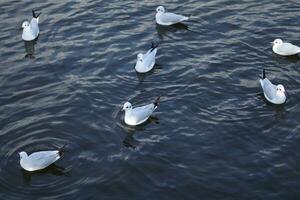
{"x":127,"y":106}
{"x":140,"y":57}
{"x":280,"y":90}
{"x":25,"y":24}
{"x":160,"y":9}
{"x":277,"y":42}
{"x":23,"y":154}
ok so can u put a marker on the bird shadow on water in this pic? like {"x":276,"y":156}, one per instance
{"x":165,"y":30}
{"x":129,"y":141}
{"x":52,"y":169}
{"x":29,"y":48}
{"x":141,"y":76}
{"x":292,"y":58}
{"x":279,"y":110}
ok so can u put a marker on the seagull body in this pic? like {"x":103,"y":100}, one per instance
{"x":138,"y":115}
{"x":165,"y":18}
{"x":31,"y":30}
{"x":39,"y":160}
{"x":284,"y":48}
{"x":273,"y":93}
{"x":145,"y":62}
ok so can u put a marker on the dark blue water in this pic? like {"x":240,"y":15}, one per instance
{"x":215,"y":136}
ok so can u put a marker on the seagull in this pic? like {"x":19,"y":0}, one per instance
{"x":31,"y":30}
{"x":165,"y":18}
{"x":40,"y":160}
{"x":284,"y":48}
{"x":273,"y":93}
{"x":145,"y":62}
{"x":138,"y":115}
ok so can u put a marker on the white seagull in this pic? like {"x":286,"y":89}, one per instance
{"x":31,"y":30}
{"x":165,"y":18}
{"x":284,"y":48}
{"x":145,"y":62}
{"x":273,"y":93}
{"x":39,"y":160}
{"x":138,"y":115}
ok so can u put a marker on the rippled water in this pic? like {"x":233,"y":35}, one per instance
{"x":215,"y":138}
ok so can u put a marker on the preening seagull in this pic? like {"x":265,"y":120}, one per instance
{"x":166,"y":18}
{"x":138,"y":115}
{"x":273,"y":93}
{"x":145,"y":62}
{"x":39,"y":160}
{"x":31,"y":30}
{"x":284,"y":48}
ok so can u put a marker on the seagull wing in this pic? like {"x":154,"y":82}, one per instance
{"x":172,"y":18}
{"x":43,"y":159}
{"x":149,"y":58}
{"x":268,"y":88}
{"x":34,"y":26}
{"x":141,"y":114}
{"x":289,"y":49}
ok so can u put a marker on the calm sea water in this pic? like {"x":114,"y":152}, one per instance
{"x":215,"y":136}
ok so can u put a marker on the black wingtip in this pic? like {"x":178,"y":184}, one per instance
{"x":264,"y":74}
{"x":62,"y":150}
{"x":156,"y":102}
{"x":34,"y":14}
{"x":154,"y":45}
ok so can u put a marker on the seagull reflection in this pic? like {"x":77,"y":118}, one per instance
{"x":29,"y":47}
{"x":141,"y":76}
{"x":52,"y":169}
{"x":164,"y":30}
{"x":129,"y":141}
{"x":279,"y":110}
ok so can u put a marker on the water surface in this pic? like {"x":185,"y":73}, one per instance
{"x":215,"y":136}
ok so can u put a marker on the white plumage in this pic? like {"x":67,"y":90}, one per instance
{"x":31,"y":30}
{"x":145,"y":62}
{"x":138,"y":115}
{"x":284,"y":48}
{"x":166,"y":18}
{"x":273,"y":93}
{"x":39,"y":160}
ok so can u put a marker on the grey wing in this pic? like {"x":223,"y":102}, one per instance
{"x":143,"y":113}
{"x":269,"y":89}
{"x":34,"y":26}
{"x":289,"y":48}
{"x":43,"y":159}
{"x":172,"y":18}
{"x":149,"y":57}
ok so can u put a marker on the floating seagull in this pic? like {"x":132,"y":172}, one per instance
{"x":284,"y":48}
{"x":165,"y":18}
{"x":138,"y":115}
{"x":273,"y":93}
{"x":39,"y":160}
{"x":31,"y":30}
{"x":145,"y":62}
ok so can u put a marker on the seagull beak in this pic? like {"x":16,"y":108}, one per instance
{"x":272,"y":43}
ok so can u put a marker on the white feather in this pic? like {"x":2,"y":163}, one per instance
{"x":38,"y":160}
{"x":167,"y":18}
{"x":147,"y":61}
{"x":31,"y":31}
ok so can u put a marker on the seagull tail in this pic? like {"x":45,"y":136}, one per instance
{"x":62,"y":150}
{"x":156,"y":102}
{"x":34,"y":14}
{"x":154,"y":45}
{"x":263,"y":74}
